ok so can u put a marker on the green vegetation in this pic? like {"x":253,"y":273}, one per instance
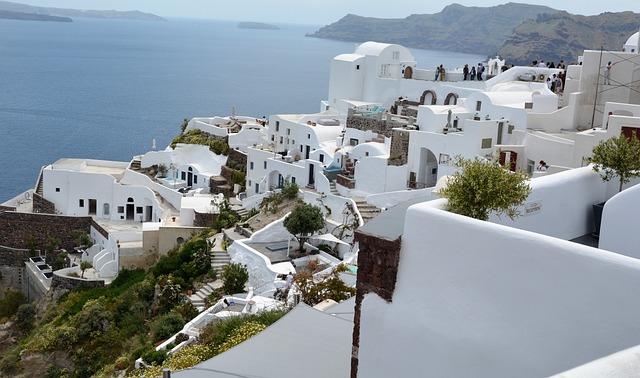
{"x":303,"y":222}
{"x":197,"y":136}
{"x":482,"y":187}
{"x":617,"y":157}
{"x":215,"y":338}
{"x":226,"y":217}
{"x":185,"y":263}
{"x":332,"y":287}
{"x":11,"y":300}
{"x":234,"y":277}
{"x":84,"y":265}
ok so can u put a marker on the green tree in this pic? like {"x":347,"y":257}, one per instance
{"x":331,"y":287}
{"x":234,"y":277}
{"x":481,"y":187}
{"x":84,"y":265}
{"x":25,"y":317}
{"x":304,"y":221}
{"x":10,"y":302}
{"x":617,"y":157}
{"x":290,"y":189}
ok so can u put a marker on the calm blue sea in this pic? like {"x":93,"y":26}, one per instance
{"x":104,"y":89}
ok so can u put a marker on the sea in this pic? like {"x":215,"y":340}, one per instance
{"x":105,"y":89}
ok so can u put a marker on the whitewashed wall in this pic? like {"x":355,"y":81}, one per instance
{"x":620,"y":223}
{"x":476,"y":299}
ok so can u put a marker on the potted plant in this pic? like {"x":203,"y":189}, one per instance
{"x":615,"y":157}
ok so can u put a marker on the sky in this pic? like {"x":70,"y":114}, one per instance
{"x":314,"y":12}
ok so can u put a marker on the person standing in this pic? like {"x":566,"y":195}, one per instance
{"x":437,"y":73}
{"x":561,"y":65}
{"x":441,"y":73}
{"x":607,"y":73}
{"x":480,"y":71}
{"x":473,"y":72}
{"x":465,"y":72}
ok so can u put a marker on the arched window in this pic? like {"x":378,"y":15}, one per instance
{"x":180,"y":240}
{"x":105,"y":209}
{"x":129,"y":199}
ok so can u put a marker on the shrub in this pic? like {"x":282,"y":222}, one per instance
{"x":290,"y":190}
{"x":240,"y":334}
{"x":10,"y":361}
{"x":25,"y":317}
{"x":234,"y":277}
{"x":155,"y":357}
{"x":10,"y":302}
{"x":167,"y":325}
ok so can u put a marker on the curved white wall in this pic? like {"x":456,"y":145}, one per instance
{"x":620,"y":223}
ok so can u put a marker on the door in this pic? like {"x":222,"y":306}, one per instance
{"x":149,"y":213}
{"x":130,"y":211}
{"x":312,"y":177}
{"x":93,"y":206}
{"x":511,"y":159}
{"x":190,"y":177}
{"x":306,"y":154}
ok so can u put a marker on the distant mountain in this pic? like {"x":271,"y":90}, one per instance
{"x":475,"y":30}
{"x":9,"y":15}
{"x":566,"y":36}
{"x":60,"y":12}
{"x":257,"y":25}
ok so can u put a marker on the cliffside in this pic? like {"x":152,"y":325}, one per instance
{"x":60,"y":12}
{"x":566,"y":36}
{"x":457,"y":28}
{"x":9,"y":15}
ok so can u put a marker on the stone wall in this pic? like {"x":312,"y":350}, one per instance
{"x":399,"y":153}
{"x":346,"y":181}
{"x":204,"y":219}
{"x":12,"y":267}
{"x":378,"y":124}
{"x":237,"y":160}
{"x":377,"y":273}
{"x":17,"y":228}
{"x":41,"y":205}
{"x":70,"y":283}
{"x":7,"y":208}
{"x":99,"y":229}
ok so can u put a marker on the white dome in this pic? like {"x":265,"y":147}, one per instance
{"x":632,"y":43}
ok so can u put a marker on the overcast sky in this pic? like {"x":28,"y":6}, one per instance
{"x":314,"y":12}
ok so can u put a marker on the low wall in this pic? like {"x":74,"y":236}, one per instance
{"x":41,"y":205}
{"x":70,"y":283}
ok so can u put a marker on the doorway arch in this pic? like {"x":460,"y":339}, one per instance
{"x":454,"y":96}
{"x":425,"y":94}
{"x":408,"y":73}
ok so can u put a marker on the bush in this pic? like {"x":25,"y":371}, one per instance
{"x":25,"y":317}
{"x":10,"y":361}
{"x":234,"y":277}
{"x":166,"y":326}
{"x":10,"y":302}
{"x":155,"y":357}
{"x":290,"y":189}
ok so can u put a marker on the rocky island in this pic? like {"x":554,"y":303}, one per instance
{"x":19,"y":11}
{"x":257,"y":25}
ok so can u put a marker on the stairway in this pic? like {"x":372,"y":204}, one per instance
{"x":219,"y":259}
{"x":332,"y":187}
{"x":366,"y":210}
{"x":198,"y":298}
{"x":135,"y":165}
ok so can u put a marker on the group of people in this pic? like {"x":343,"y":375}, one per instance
{"x":473,"y":74}
{"x":555,"y":83}
{"x":439,"y":73}
{"x":542,"y":64}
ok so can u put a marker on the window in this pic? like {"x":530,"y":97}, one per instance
{"x":528,"y":105}
{"x":510,"y":129}
{"x":180,"y":240}
{"x":478,"y":106}
{"x":293,"y":142}
{"x":288,"y":131}
{"x":395,"y":55}
{"x":120,"y":209}
{"x":265,"y":164}
{"x":353,"y":142}
{"x":251,"y":165}
{"x":81,"y":203}
{"x":308,"y":136}
{"x":105,"y":209}
{"x":257,"y":188}
{"x":293,"y":180}
{"x":195,"y":179}
{"x":273,"y":137}
{"x":384,"y":69}
{"x":321,"y":158}
{"x":486,"y":143}
{"x":277,"y":125}
{"x":183,"y":175}
{"x":138,"y":209}
{"x":281,"y":140}
{"x":366,"y":153}
{"x":357,"y":66}
{"x":57,"y":190}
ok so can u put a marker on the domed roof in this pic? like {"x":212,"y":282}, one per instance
{"x":632,"y":42}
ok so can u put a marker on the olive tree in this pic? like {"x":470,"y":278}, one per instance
{"x":617,"y":157}
{"x":481,"y":187}
{"x":304,"y":221}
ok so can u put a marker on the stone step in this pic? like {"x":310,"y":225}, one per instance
{"x":217,"y":284}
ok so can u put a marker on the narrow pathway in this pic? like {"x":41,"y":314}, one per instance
{"x":219,"y":259}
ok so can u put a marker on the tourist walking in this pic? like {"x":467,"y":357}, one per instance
{"x":473,"y":73}
{"x":480,"y":71}
{"x":465,"y":72}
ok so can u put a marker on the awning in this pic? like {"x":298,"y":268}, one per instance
{"x":329,"y":238}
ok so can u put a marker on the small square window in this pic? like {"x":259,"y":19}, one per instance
{"x":486,"y":143}
{"x":293,"y":141}
{"x":251,"y":165}
{"x":183,"y":175}
{"x":120,"y":209}
{"x":195,"y":179}
{"x":510,"y":129}
{"x":81,"y":203}
{"x":357,"y":66}
{"x":57,"y":190}
{"x":277,"y":125}
{"x":528,"y":105}
{"x":265,"y":164}
{"x":138,"y":209}
{"x":366,"y":153}
{"x":321,"y":158}
{"x":293,"y":180}
{"x":288,"y":131}
{"x":308,"y":136}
